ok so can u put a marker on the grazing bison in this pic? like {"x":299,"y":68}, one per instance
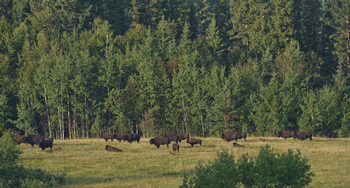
{"x":133,"y":137}
{"x":34,"y":139}
{"x":157,"y":141}
{"x":228,"y":136}
{"x":121,"y":136}
{"x":304,"y":135}
{"x":237,"y":145}
{"x":112,"y":149}
{"x":171,"y":137}
{"x":240,"y":136}
{"x":331,"y":135}
{"x":286,"y":134}
{"x":107,"y":136}
{"x":20,"y":139}
{"x":176,"y":147}
{"x":182,"y":136}
{"x":194,"y":141}
{"x":46,"y":144}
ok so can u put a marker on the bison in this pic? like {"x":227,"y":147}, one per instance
{"x":182,"y":136}
{"x":34,"y":139}
{"x":133,"y":137}
{"x":228,"y":136}
{"x":176,"y":147}
{"x":107,"y":136}
{"x":112,"y":149}
{"x":157,"y":141}
{"x":286,"y":134}
{"x":304,"y":135}
{"x":46,"y":144}
{"x":20,"y":139}
{"x":331,"y":135}
{"x":172,"y":137}
{"x":121,"y":136}
{"x":194,"y":141}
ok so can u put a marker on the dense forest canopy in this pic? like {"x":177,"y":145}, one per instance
{"x":76,"y":69}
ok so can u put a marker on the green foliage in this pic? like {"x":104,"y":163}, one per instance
{"x":222,"y":172}
{"x":268,"y":169}
{"x":13,"y":175}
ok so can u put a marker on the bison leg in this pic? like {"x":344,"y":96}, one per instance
{"x":106,"y":139}
{"x":157,"y":146}
{"x":192,"y":145}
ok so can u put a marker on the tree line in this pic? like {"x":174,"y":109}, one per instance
{"x":76,"y":69}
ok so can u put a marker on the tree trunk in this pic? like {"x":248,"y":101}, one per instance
{"x":48,"y":113}
{"x":68,"y":116}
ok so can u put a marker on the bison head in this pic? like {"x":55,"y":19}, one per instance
{"x":151,"y":141}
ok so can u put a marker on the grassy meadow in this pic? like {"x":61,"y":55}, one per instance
{"x":86,"y":163}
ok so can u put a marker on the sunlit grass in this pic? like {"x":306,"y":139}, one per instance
{"x":87,"y":164}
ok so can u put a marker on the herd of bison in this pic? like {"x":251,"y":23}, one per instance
{"x":160,"y":140}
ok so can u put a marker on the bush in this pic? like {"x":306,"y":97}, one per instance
{"x":13,"y":175}
{"x":269,"y":169}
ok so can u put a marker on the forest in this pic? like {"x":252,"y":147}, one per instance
{"x":76,"y":69}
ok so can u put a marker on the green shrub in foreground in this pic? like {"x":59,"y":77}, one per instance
{"x":12,"y":175}
{"x":269,"y":169}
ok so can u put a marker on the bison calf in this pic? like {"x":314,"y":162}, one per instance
{"x":176,"y":147}
{"x":194,"y":141}
{"x":112,"y":149}
{"x":46,"y":144}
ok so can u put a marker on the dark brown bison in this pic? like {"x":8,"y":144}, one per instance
{"x":182,"y":136}
{"x":304,"y":135}
{"x":240,"y":136}
{"x":237,"y":145}
{"x":157,"y":141}
{"x":107,"y":136}
{"x":46,"y":144}
{"x":171,"y":137}
{"x":112,"y":149}
{"x":133,"y":137}
{"x":176,"y":147}
{"x":121,"y":136}
{"x":194,"y":141}
{"x":286,"y":134}
{"x":20,"y":139}
{"x":228,"y":136}
{"x":331,"y":135}
{"x":34,"y":139}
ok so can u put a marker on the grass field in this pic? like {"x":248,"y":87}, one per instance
{"x":86,"y":163}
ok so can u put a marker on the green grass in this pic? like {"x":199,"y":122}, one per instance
{"x":87,"y":164}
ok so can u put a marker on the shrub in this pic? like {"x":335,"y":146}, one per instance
{"x":268,"y":169}
{"x":13,"y":175}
